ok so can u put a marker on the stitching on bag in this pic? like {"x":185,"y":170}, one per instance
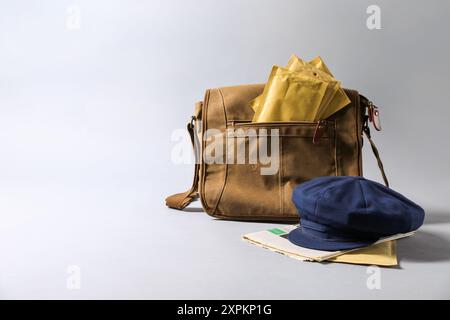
{"x":203,"y":167}
{"x":223,"y":105}
{"x":280,"y":177}
{"x":278,"y":124}
{"x":335,"y":151}
{"x":226,"y":154}
{"x":265,"y":218}
{"x":337,"y":155}
{"x":357,"y":133}
{"x":298,"y":136}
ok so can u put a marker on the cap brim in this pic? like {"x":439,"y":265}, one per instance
{"x":299,"y":238}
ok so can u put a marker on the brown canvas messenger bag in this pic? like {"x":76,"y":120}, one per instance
{"x":239,"y":191}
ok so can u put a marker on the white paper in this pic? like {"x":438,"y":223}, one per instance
{"x":279,"y":243}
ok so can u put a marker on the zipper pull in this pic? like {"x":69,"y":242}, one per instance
{"x":321,"y":127}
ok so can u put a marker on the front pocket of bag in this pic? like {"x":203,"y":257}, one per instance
{"x":252,"y":192}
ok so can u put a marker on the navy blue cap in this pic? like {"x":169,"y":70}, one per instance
{"x":341,"y":213}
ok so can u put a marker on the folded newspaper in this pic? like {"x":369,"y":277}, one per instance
{"x":276,"y":240}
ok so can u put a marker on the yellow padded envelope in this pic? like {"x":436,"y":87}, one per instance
{"x":336,"y":99}
{"x":381,"y":254}
{"x":290,"y":96}
{"x":332,"y":101}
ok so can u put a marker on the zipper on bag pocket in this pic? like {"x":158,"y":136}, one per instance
{"x":320,"y":126}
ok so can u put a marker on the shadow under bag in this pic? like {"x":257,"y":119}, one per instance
{"x":238,"y":190}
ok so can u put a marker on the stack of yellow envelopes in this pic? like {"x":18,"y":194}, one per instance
{"x":381,"y":254}
{"x":303,"y":91}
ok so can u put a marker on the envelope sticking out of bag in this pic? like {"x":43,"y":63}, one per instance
{"x":303,"y":91}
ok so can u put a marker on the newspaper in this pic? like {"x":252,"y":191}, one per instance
{"x":276,"y":240}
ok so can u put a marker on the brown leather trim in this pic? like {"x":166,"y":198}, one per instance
{"x":203,"y":165}
{"x":286,"y":219}
{"x":358,"y":115}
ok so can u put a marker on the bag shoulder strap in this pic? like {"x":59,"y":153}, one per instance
{"x":376,"y":153}
{"x":182,"y":200}
{"x":371,"y":114}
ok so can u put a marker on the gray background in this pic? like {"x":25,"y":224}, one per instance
{"x":86,"y":118}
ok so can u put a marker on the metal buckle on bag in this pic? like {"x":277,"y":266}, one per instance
{"x":192,"y":121}
{"x":374,"y":115}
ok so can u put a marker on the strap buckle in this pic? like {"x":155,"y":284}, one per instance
{"x":192,"y":121}
{"x":374,"y":115}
